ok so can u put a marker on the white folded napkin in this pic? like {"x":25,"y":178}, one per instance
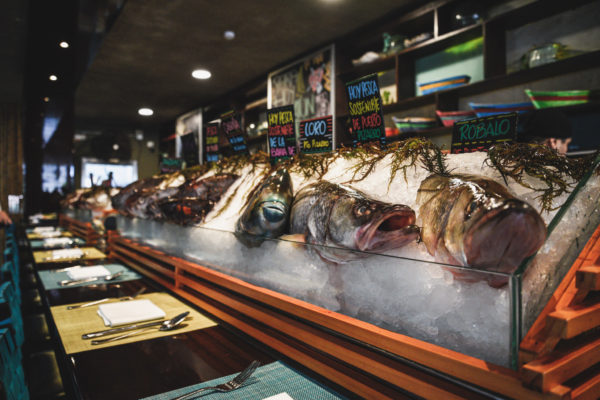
{"x":40,"y":229}
{"x":66,"y":253}
{"x":129,"y":312}
{"x":280,"y":396}
{"x":50,"y":234}
{"x":88,"y":272}
{"x":59,"y":241}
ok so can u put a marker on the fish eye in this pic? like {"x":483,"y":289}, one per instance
{"x":471,"y":208}
{"x":361,"y":210}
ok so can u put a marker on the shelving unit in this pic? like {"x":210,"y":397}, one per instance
{"x":434,"y":18}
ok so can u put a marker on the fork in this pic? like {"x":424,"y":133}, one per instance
{"x":227,"y":386}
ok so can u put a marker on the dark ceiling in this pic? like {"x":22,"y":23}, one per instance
{"x":147,"y":57}
{"x":13,"y":23}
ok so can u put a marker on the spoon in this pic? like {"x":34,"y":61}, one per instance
{"x":165,"y":326}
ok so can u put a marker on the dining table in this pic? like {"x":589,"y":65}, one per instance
{"x":152,"y":363}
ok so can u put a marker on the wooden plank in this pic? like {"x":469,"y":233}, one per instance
{"x":534,"y":342}
{"x":381,"y":367}
{"x":556,"y":368}
{"x":589,"y":390}
{"x":144,"y":271}
{"x":574,"y":321}
{"x":588,"y":277}
{"x":147,"y":262}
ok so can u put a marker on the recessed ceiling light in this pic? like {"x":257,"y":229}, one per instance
{"x":53,"y":77}
{"x":115,"y":147}
{"x":145,"y":111}
{"x":64,"y":45}
{"x":229,"y":35}
{"x":201,"y":74}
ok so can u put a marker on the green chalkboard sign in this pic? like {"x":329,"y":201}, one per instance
{"x":364,"y":106}
{"x":479,"y":134}
{"x":231,"y":124}
{"x":168,"y":165}
{"x":282,"y":133}
{"x":211,"y":142}
{"x":316,"y":135}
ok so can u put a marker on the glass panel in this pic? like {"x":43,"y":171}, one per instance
{"x":568,"y":233}
{"x":411,"y":297}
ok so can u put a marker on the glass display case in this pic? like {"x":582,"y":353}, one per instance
{"x":404,"y":291}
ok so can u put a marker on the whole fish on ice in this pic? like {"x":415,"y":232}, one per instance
{"x":195,"y":199}
{"x":268,"y":210}
{"x":341,"y":219}
{"x":473,"y":221}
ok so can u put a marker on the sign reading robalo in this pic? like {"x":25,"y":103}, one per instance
{"x":316,"y":135}
{"x":479,"y":134}
{"x":281,"y":134}
{"x":232,"y":127}
{"x":364,"y":105}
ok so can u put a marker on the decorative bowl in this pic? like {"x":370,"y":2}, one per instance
{"x":448,"y":118}
{"x":443,"y":84}
{"x":484,"y":110}
{"x":414,"y":124}
{"x":557,"y":98}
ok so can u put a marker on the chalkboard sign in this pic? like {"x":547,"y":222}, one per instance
{"x":479,"y":134}
{"x":231,"y":124}
{"x":168,"y":165}
{"x":308,"y":84}
{"x":364,"y":105}
{"x":281,"y":134}
{"x":189,"y":149}
{"x":211,"y":142}
{"x":316,"y":135}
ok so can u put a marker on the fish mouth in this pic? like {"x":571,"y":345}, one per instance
{"x":504,"y":237}
{"x":393,"y":229}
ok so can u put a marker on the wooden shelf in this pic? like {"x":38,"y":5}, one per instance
{"x":572,"y":64}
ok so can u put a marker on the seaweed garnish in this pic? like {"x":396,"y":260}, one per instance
{"x":539,"y":161}
{"x":309,"y":165}
{"x":367,"y":154}
{"x":416,"y":149}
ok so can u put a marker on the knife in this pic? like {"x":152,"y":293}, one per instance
{"x":121,"y":329}
{"x":69,"y":282}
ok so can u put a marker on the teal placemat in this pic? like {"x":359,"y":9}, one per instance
{"x":50,"y":278}
{"x":266,"y":381}
{"x":39,"y":244}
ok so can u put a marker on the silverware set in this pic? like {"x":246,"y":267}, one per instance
{"x":71,"y":282}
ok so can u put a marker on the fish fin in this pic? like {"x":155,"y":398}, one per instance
{"x":294,"y":237}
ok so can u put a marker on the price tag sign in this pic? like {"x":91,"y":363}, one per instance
{"x":189,"y":149}
{"x":316,"y":135}
{"x":232,"y":127}
{"x":211,"y":142}
{"x":281,"y":134}
{"x":364,"y":105}
{"x":479,"y":134}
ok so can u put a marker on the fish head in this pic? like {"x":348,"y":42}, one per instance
{"x":496,"y":231}
{"x":268,"y":210}
{"x":357,"y":222}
